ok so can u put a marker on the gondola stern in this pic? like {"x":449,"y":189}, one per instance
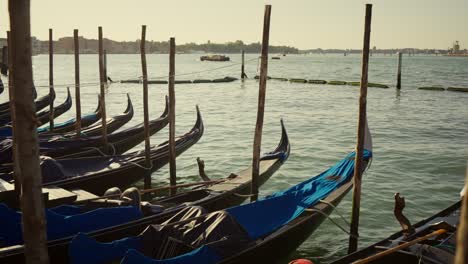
{"x":129,"y":111}
{"x":98,"y":108}
{"x":199,"y":123}
{"x":283,"y":149}
{"x":166,"y":108}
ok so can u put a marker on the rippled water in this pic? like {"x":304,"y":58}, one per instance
{"x":420,"y":137}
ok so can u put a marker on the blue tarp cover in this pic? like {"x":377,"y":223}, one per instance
{"x":258,"y":219}
{"x":84,"y":249}
{"x":203,"y":254}
{"x":67,"y":224}
{"x":282,"y":207}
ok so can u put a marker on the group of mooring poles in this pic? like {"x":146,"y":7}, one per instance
{"x":26,"y":147}
{"x":171,"y":92}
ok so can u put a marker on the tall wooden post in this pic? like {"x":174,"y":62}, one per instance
{"x":398,"y":84}
{"x":103,"y":91}
{"x":11,"y":95}
{"x":172,"y":152}
{"x":77,"y":82}
{"x":358,"y":166}
{"x":5,"y":55}
{"x":261,"y":104}
{"x":243,"y":66}
{"x":145,"y":107}
{"x":51,"y":81}
{"x":461,"y":256}
{"x":34,"y":224}
{"x":105,"y":66}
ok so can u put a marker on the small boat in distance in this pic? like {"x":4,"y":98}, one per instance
{"x":215,"y":58}
{"x":276,"y":58}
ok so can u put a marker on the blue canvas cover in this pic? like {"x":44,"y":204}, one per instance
{"x":294,"y":200}
{"x":259,"y":218}
{"x":203,"y":254}
{"x":100,"y":252}
{"x":6,"y":131}
{"x":63,"y":225}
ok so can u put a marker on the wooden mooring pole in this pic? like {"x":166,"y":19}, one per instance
{"x":358,"y":168}
{"x":102,"y":85}
{"x":261,"y":104}
{"x":172,"y":151}
{"x":243,"y":66}
{"x":77,"y":82}
{"x":105,"y":66}
{"x":145,"y":107}
{"x":5,"y":55}
{"x":32,"y":204}
{"x":11,"y":95}
{"x":51,"y":81}
{"x":398,"y":84}
{"x":461,"y":256}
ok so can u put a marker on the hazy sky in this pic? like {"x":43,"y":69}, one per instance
{"x":300,"y":23}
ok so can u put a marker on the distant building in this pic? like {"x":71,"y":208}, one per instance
{"x":455,"y":48}
{"x":3,"y":42}
{"x":36,"y":46}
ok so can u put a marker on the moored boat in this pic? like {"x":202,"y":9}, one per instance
{"x":215,"y":58}
{"x":435,"y":249}
{"x":260,"y":232}
{"x":230,"y":191}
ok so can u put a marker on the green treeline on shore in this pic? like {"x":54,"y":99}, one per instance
{"x":90,"y":46}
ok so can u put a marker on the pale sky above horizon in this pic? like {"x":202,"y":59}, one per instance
{"x":304,"y":24}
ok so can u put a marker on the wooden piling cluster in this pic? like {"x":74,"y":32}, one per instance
{"x":358,"y":167}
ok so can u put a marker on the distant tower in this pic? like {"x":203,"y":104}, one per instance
{"x":456,"y":47}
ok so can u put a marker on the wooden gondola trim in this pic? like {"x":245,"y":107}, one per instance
{"x":168,"y":187}
{"x":400,"y":247}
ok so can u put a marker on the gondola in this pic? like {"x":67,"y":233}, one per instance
{"x":43,"y":116}
{"x":92,"y":130}
{"x":70,"y":125}
{"x":113,"y":124}
{"x":265,"y":231}
{"x":435,"y":250}
{"x":40,"y":103}
{"x":119,"y":142}
{"x":232,"y":191}
{"x":97,"y":174}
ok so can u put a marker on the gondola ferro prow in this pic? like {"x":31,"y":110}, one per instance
{"x":406,"y":226}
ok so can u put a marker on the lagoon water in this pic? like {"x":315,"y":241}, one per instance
{"x":420,"y":137}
